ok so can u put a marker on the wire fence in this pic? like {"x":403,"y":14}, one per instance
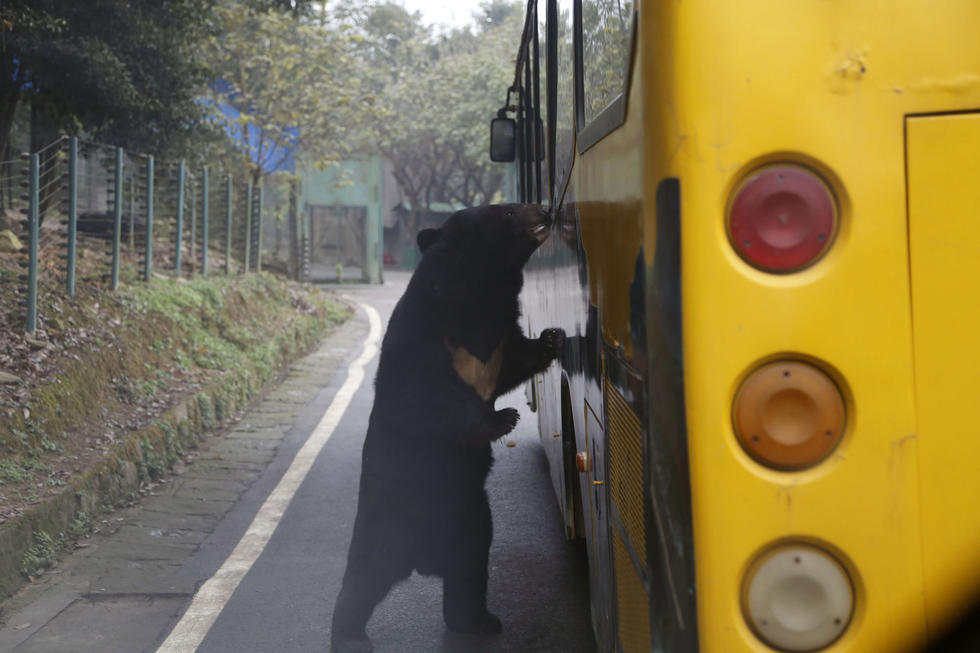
{"x":87,"y":213}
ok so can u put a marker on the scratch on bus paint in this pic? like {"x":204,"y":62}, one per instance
{"x":901,"y":441}
{"x":955,"y":85}
{"x":898,"y":449}
{"x":788,"y":492}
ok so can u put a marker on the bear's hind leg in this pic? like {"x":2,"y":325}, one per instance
{"x":366,"y":583}
{"x":464,"y":587}
{"x":464,"y":612}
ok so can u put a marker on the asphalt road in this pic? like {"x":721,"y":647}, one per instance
{"x":119,"y":596}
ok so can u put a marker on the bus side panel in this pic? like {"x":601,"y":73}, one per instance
{"x":944,"y":234}
{"x":636,"y":294}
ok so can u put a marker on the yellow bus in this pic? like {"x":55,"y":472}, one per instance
{"x":767,"y":260}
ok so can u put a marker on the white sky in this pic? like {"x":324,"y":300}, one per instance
{"x":448,"y":13}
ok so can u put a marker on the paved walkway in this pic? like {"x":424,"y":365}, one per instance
{"x":133,"y":577}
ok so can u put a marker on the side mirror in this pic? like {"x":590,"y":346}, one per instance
{"x":503,"y":139}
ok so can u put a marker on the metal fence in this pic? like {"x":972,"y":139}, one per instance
{"x":95,"y":214}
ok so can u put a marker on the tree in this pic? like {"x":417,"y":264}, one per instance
{"x":285,"y":86}
{"x":122,"y":71}
{"x":436,"y":101}
{"x":498,"y":13}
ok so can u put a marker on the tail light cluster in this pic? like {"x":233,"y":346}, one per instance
{"x":789,"y":415}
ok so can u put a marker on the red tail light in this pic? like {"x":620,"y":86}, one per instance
{"x":782,"y":218}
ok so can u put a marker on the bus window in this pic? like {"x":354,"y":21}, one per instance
{"x":541,"y":98}
{"x":565,"y":96}
{"x":606,"y":32}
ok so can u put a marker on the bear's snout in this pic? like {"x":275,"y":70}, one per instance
{"x":537,"y":220}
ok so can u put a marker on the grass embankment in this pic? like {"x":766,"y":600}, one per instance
{"x":128,"y":382}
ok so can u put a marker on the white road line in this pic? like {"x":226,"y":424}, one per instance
{"x":211,"y":599}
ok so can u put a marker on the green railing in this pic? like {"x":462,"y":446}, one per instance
{"x":95,"y":214}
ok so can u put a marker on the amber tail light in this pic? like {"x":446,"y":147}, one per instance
{"x":788,"y":415}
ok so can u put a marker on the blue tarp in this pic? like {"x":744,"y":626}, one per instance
{"x":274,"y":159}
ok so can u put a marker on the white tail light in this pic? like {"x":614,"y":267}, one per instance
{"x":798,"y":598}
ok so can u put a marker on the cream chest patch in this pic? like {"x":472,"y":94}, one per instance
{"x":480,"y":376}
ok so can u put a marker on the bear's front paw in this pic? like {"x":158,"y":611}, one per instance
{"x":506,"y":419}
{"x":552,"y":342}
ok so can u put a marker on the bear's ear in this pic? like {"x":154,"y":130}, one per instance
{"x":427,"y":238}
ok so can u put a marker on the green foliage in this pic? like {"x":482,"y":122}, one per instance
{"x":12,"y":471}
{"x":32,"y":440}
{"x":206,"y":410}
{"x":153,"y":465}
{"x":174,"y":447}
{"x":122,"y":70}
{"x":41,"y":555}
{"x":127,"y":72}
{"x":80,"y":527}
{"x":173,"y":333}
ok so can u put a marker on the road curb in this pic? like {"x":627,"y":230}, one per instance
{"x":145,"y":454}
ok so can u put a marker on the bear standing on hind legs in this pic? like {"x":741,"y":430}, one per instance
{"x":453,"y":345}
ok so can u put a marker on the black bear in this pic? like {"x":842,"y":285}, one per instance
{"x":453,"y":345}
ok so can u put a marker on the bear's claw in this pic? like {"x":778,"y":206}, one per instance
{"x":553,"y":341}
{"x":507,"y":419}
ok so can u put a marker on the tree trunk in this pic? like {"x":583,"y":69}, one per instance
{"x":295,"y":264}
{"x":10,"y":90}
{"x":8,"y":109}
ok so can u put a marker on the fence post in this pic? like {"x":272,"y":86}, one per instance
{"x":204,"y":221}
{"x":180,"y":218}
{"x":193,"y":232}
{"x":117,"y":215}
{"x":33,"y":218}
{"x":228,"y":225}
{"x":132,"y":213}
{"x":304,"y":245}
{"x":248,"y":228}
{"x":148,"y":265}
{"x":295,"y":255}
{"x":72,"y":214}
{"x":258,"y":230}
